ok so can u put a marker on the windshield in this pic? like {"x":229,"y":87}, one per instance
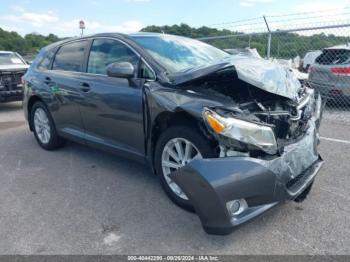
{"x":10,"y":59}
{"x":177,"y":53}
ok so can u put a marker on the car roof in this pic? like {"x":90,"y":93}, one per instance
{"x":125,"y":37}
{"x":131,"y":34}
{"x":347,"y":46}
{"x":118,"y":35}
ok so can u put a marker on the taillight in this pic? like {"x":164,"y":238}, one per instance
{"x":341,"y":71}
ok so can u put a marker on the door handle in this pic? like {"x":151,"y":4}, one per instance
{"x":47,"y":80}
{"x":85,"y":87}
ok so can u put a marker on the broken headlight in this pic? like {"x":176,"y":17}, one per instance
{"x":251,"y":133}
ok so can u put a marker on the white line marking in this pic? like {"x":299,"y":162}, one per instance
{"x":336,"y":140}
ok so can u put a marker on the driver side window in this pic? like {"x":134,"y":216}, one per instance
{"x":105,"y":52}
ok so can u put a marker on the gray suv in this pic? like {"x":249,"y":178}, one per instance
{"x":228,"y":136}
{"x":330,"y":74}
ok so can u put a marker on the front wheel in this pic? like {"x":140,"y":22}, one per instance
{"x":177,"y":147}
{"x":44,"y":127}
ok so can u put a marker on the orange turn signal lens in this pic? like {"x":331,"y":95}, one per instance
{"x":215,"y":124}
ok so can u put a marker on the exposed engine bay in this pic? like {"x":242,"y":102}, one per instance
{"x":286,"y":117}
{"x":266,"y":126}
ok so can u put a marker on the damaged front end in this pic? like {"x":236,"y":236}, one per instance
{"x":268,"y":142}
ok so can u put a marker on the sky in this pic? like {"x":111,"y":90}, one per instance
{"x":61,"y":17}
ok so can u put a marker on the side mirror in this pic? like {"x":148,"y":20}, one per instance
{"x":121,"y":70}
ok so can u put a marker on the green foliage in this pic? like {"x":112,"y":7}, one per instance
{"x":283,"y":45}
{"x":29,"y":44}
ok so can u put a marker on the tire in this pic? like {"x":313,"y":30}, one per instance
{"x":54,"y":141}
{"x":181,"y":133}
{"x":304,"y":194}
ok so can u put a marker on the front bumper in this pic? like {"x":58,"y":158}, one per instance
{"x":211,"y":183}
{"x":12,"y":95}
{"x":262,"y":183}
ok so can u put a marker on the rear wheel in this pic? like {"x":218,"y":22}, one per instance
{"x":177,"y":147}
{"x":44,"y":127}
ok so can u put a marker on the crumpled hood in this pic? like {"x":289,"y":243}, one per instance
{"x":13,"y":67}
{"x":261,"y":73}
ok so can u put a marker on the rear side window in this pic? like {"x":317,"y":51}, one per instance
{"x":70,"y":57}
{"x":105,"y":52}
{"x":334,"y":57}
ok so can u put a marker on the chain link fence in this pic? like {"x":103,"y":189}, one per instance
{"x":318,"y":54}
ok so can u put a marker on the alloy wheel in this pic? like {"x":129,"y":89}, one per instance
{"x":177,"y":153}
{"x":42,"y":126}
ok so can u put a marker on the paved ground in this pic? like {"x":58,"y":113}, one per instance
{"x":82,"y":201}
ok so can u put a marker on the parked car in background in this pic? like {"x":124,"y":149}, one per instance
{"x":12,"y":68}
{"x":309,"y":59}
{"x":29,"y":58}
{"x":330,"y":74}
{"x":228,"y":136}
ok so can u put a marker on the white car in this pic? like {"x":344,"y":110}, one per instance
{"x":12,"y":68}
{"x":310,"y":59}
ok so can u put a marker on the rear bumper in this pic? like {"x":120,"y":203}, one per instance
{"x":10,"y":96}
{"x":332,"y":90}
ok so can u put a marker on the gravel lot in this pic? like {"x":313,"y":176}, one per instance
{"x":82,"y":201}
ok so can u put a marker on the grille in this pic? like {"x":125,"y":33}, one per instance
{"x":10,"y":80}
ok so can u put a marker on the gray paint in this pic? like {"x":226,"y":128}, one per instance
{"x":119,"y":114}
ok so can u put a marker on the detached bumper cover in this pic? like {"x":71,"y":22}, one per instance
{"x":211,"y":183}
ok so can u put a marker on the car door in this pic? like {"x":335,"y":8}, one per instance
{"x":65,"y":86}
{"x":112,"y":111}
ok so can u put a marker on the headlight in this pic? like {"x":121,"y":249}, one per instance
{"x":260,"y":136}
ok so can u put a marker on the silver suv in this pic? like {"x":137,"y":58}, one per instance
{"x":331,"y":74}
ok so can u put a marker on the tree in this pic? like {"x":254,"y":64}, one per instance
{"x":29,"y":44}
{"x":284,"y":45}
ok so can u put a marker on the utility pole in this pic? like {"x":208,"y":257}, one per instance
{"x":269,"y":39}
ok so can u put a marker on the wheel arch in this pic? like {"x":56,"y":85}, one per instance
{"x":32,"y":100}
{"x":168,"y":119}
